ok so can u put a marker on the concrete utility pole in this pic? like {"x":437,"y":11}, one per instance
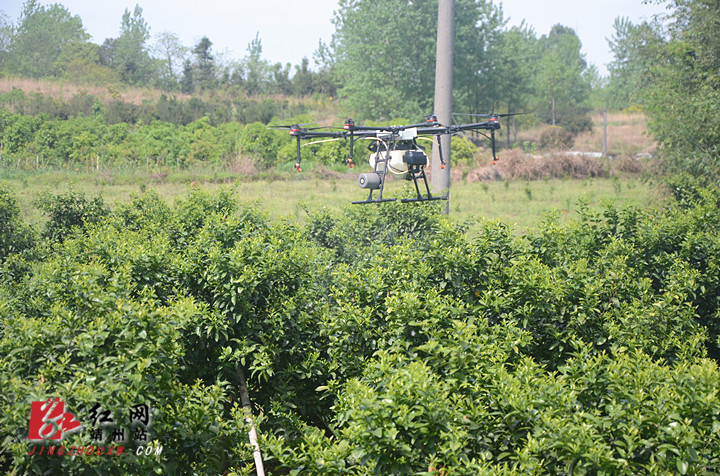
{"x":443,"y":94}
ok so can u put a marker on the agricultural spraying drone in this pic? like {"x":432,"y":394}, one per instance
{"x":395,"y":149}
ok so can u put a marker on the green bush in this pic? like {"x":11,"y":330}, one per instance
{"x":16,"y":131}
{"x":69,"y":212}
{"x":464,"y":152}
{"x":381,"y":340}
{"x":15,"y":237}
{"x":261,"y":143}
{"x":111,"y":139}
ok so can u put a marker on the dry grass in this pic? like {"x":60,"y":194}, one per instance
{"x":66,"y":91}
{"x":245,"y":166}
{"x":627,"y":135}
{"x":517,"y":165}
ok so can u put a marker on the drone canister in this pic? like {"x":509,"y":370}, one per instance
{"x":370,"y":180}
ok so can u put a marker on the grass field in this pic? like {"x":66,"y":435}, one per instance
{"x":519,"y":191}
{"x":519,"y":203}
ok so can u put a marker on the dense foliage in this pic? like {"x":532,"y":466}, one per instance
{"x":671,"y":65}
{"x":382,"y":340}
{"x":92,"y":142}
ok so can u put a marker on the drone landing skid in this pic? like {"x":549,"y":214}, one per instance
{"x":422,"y":199}
{"x":418,"y":172}
{"x":374,"y":200}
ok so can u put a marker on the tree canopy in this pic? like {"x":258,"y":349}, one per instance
{"x":41,"y":35}
{"x":562,"y":89}
{"x":385,"y":54}
{"x":680,"y":55}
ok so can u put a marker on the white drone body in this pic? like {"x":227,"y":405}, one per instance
{"x":394,"y":159}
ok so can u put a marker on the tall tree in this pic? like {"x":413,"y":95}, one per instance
{"x":280,"y":79}
{"x":6,"y":32}
{"x":626,"y":66}
{"x":681,"y":85}
{"x":384,"y":52}
{"x":326,"y":80}
{"x":171,"y":55}
{"x":187,"y":82}
{"x":106,"y":52}
{"x":302,"y":80}
{"x":131,"y":57}
{"x":477,"y":84}
{"x":204,"y":64}
{"x":39,"y":39}
{"x":515,"y":70}
{"x":385,"y":49}
{"x":562,"y":91}
{"x":233,"y":73}
{"x":255,"y":67}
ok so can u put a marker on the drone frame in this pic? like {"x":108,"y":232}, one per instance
{"x":387,"y":139}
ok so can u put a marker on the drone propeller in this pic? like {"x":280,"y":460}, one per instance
{"x":507,"y":114}
{"x":491,"y":125}
{"x":289,"y":126}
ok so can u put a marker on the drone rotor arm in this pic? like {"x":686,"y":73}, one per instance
{"x":492,"y":143}
{"x":486,"y":125}
{"x":321,"y":141}
{"x":440,"y":148}
{"x":431,"y":130}
{"x":297,"y":164}
{"x":352,"y":145}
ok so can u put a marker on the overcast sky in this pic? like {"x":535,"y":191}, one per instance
{"x":291,"y":29}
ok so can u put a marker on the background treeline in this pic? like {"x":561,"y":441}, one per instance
{"x":376,"y":76}
{"x":378,"y":340}
{"x":379,"y":76}
{"x":668,"y":66}
{"x":48,"y":41}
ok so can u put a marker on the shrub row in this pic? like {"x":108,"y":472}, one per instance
{"x":219,"y":107}
{"x":90,"y":143}
{"x":93,"y":141}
